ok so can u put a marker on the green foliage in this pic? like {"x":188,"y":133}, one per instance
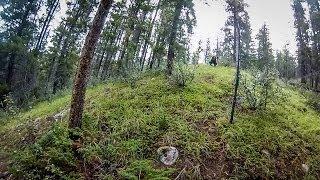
{"x":144,"y":170}
{"x":131,"y":76}
{"x":4,"y":90}
{"x":264,"y":50}
{"x":259,"y":88}
{"x":10,"y":105}
{"x":50,"y":157}
{"x":123,"y":127}
{"x":285,"y":64}
{"x":275,"y":142}
{"x":182,"y":75}
{"x":313,"y":100}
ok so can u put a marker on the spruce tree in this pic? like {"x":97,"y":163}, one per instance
{"x":207,"y":53}
{"x":303,"y":40}
{"x":264,"y":50}
{"x":17,"y":63}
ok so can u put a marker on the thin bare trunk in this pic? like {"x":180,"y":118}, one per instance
{"x":145,"y":46}
{"x":237,"y":60}
{"x":79,"y":88}
{"x":46,"y":24}
{"x":172,"y":37}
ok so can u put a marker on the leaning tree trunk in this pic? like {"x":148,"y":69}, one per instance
{"x":172,"y":37}
{"x":46,"y":24}
{"x":79,"y":88}
{"x":237,"y":60}
{"x":145,"y":46}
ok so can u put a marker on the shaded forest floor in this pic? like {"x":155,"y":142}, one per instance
{"x":123,"y":127}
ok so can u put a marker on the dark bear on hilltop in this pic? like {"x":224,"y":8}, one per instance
{"x":213,"y":61}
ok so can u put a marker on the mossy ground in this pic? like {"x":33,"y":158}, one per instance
{"x":124,"y":126}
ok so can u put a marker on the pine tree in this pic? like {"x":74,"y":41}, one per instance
{"x":197,"y":54}
{"x":246,"y":43}
{"x":314,"y":11}
{"x":66,"y":41}
{"x":173,"y":34}
{"x":207,"y":53}
{"x":285,"y":64}
{"x":246,"y":47}
{"x":52,"y":6}
{"x":265,"y":61}
{"x":264,"y":51}
{"x":17,"y":63}
{"x":148,"y":36}
{"x":235,"y":7}
{"x":303,"y":40}
{"x":227,"y":46}
{"x":79,"y":88}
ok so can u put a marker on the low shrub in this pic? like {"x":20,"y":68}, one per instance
{"x":182,"y":75}
{"x":51,"y":157}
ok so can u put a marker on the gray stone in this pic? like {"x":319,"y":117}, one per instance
{"x":168,"y":155}
{"x":305,"y":168}
{"x":266,"y":152}
{"x":59,"y":116}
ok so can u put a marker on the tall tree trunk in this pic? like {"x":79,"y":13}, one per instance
{"x":123,"y":60}
{"x":54,"y":68}
{"x":110,"y":54}
{"x":152,"y":58}
{"x":79,"y":88}
{"x":172,"y":37}
{"x":145,"y":46}
{"x":237,"y":60}
{"x":46,"y":24}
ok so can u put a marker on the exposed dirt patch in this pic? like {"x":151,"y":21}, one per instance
{"x":212,"y":163}
{"x":215,"y":164}
{"x":209,"y":79}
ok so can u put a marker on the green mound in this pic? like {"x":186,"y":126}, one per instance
{"x":123,"y":127}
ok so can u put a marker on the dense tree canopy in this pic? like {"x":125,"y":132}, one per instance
{"x":39,"y":57}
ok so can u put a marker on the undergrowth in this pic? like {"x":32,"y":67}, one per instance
{"x":124,"y":125}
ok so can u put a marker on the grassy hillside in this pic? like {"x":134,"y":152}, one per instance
{"x":123,"y":127}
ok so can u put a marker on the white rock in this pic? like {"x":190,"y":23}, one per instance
{"x":305,"y":168}
{"x":266,"y":152}
{"x":168,"y":155}
{"x":60,"y":115}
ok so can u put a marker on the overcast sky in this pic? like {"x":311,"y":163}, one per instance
{"x":210,"y":19}
{"x":276,"y":13}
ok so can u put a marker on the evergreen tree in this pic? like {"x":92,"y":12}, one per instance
{"x":235,"y":7}
{"x":264,"y":51}
{"x":285,"y":64}
{"x":265,"y":62}
{"x":179,"y":6}
{"x":66,"y":40}
{"x":227,"y":46}
{"x":314,"y":11}
{"x":16,"y":62}
{"x":197,"y":54}
{"x":207,"y":53}
{"x":303,"y":40}
{"x":246,"y":46}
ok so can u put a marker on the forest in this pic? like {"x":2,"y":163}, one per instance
{"x":114,"y":89}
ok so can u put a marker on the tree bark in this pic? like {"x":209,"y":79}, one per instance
{"x":54,"y":68}
{"x":133,"y":15}
{"x":79,"y":88}
{"x":237,"y":60}
{"x":46,"y":24}
{"x":172,"y":37}
{"x":145,"y":46}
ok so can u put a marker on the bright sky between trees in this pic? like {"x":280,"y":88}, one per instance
{"x":277,"y":14}
{"x":212,"y":16}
